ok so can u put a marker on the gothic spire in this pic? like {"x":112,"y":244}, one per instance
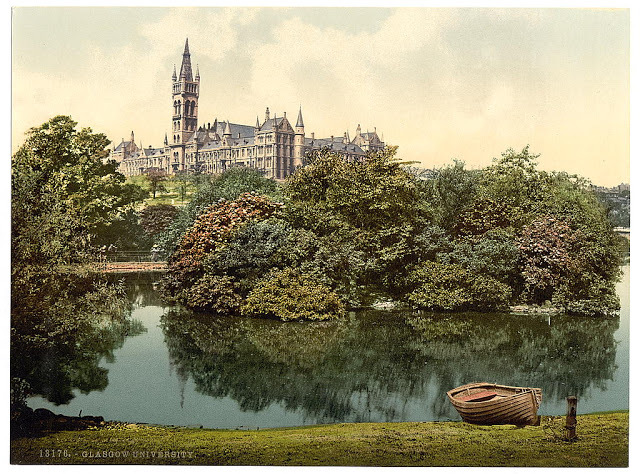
{"x":300,"y":123}
{"x":174,"y":77}
{"x":197,"y":73}
{"x":185,"y":69}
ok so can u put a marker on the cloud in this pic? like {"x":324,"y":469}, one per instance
{"x":441,"y":83}
{"x":214,"y":31}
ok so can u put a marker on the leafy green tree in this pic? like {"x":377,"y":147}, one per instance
{"x":64,"y":192}
{"x":450,"y":193}
{"x":565,"y":242}
{"x":156,"y":178}
{"x":375,"y":204}
{"x":66,"y":197}
{"x":494,"y":253}
{"x":515,"y":182}
{"x":182,"y":181}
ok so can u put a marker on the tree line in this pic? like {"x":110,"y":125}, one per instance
{"x":335,"y":235}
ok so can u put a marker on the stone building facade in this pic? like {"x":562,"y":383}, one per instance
{"x":274,"y":146}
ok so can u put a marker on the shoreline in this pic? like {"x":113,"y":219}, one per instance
{"x":602,"y":442}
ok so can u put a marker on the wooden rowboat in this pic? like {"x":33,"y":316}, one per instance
{"x":491,"y":404}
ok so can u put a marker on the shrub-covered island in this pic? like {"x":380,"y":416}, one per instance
{"x":339,"y":234}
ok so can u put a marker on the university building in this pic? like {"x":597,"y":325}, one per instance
{"x":274,"y":146}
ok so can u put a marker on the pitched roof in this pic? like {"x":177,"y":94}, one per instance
{"x":334,"y":144}
{"x":122,"y":145}
{"x":271,"y":124}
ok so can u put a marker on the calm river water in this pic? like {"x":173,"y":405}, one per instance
{"x":376,"y":366}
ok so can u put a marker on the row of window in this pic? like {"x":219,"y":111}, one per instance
{"x":177,"y":88}
{"x":189,"y":107}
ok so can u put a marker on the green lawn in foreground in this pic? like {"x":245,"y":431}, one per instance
{"x":602,"y":442}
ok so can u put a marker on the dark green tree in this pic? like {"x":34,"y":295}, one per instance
{"x":156,"y":218}
{"x":373,"y":205}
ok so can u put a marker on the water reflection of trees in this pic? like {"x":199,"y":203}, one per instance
{"x":140,"y":287}
{"x":373,"y":366}
{"x":57,"y":346}
{"x":563,"y":355}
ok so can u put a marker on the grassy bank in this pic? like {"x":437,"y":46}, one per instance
{"x":602,"y":442}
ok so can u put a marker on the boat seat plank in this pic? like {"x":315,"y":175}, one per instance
{"x":478,"y":397}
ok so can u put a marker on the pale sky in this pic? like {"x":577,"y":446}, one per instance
{"x":439,"y":83}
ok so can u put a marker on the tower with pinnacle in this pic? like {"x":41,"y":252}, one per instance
{"x":185,"y":95}
{"x":275,"y":147}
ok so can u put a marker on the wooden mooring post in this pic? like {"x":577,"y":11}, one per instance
{"x":571,"y":422}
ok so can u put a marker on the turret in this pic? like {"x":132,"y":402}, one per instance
{"x":298,"y":142}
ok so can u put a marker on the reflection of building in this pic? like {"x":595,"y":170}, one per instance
{"x":274,"y":146}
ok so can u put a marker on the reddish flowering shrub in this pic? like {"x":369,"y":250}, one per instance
{"x":548,"y":255}
{"x":215,"y":225}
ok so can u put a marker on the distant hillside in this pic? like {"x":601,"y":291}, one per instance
{"x":618,"y":202}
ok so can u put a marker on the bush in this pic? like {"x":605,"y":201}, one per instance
{"x":214,"y":227}
{"x":156,"y":218}
{"x":595,"y":297}
{"x":289,"y":295}
{"x":449,"y":287}
{"x":214,"y":293}
{"x":547,"y":255}
{"x":250,"y":252}
{"x":227,"y":186}
{"x":493,"y":253}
